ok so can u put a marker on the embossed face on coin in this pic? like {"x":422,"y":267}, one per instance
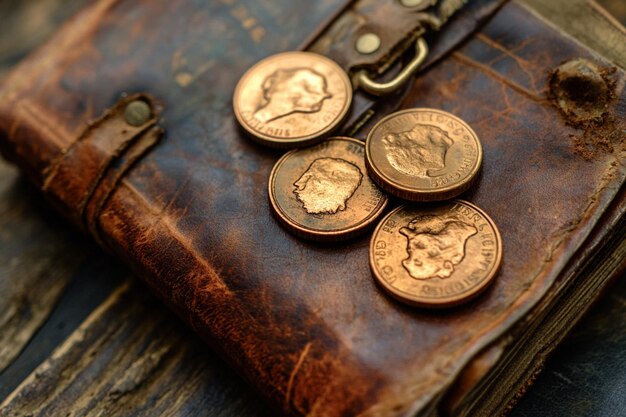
{"x":436,"y":256}
{"x":293,"y":90}
{"x":292,"y":99}
{"x":327,"y":185}
{"x":435,"y":244}
{"x":423,"y":155}
{"x":323,"y":193}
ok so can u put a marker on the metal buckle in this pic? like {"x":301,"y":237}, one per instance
{"x":362,"y":79}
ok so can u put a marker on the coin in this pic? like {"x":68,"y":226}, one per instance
{"x":436,"y":256}
{"x":423,"y":155}
{"x":323,"y":192}
{"x":292,"y":99}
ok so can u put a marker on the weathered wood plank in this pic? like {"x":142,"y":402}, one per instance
{"x":38,"y":257}
{"x":616,"y":8}
{"x":588,"y":22}
{"x":25,"y":24}
{"x":51,"y":278}
{"x":37,"y":260}
{"x":39,"y":254}
{"x":131,"y":357}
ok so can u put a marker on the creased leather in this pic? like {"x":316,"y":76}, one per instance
{"x":305,"y":323}
{"x":398,"y":27}
{"x":94,"y":155}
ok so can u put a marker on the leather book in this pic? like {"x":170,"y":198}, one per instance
{"x":180,"y":192}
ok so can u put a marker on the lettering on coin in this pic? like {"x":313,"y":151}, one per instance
{"x":292,"y":99}
{"x":327,"y":185}
{"x":423,"y":155}
{"x":294,"y":90}
{"x":435,"y":245}
{"x":420,"y":151}
{"x":435,"y":255}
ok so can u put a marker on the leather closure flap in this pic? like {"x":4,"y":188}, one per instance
{"x":81,"y":178}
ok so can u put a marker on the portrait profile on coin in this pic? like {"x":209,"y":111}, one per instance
{"x":435,"y":245}
{"x":327,"y":185}
{"x":420,"y":151}
{"x":292,"y":90}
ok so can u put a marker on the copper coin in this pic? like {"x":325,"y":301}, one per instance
{"x":423,"y":155}
{"x":292,"y":99}
{"x":323,"y":192}
{"x":436,"y":256}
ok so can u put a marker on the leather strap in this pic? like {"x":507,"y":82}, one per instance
{"x":80,"y":180}
{"x":398,"y":27}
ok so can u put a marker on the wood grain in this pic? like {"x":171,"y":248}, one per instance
{"x":131,"y":357}
{"x":37,"y":261}
{"x":38,"y":257}
{"x":588,"y":22}
{"x":27,"y":23}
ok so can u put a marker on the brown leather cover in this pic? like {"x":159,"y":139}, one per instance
{"x":305,"y":323}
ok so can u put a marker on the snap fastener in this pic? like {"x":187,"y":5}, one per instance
{"x":368,"y":43}
{"x":137,"y":113}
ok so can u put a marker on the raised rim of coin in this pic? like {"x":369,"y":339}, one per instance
{"x":303,"y":140}
{"x":315,"y":234}
{"x":444,"y":302}
{"x":421,"y":194}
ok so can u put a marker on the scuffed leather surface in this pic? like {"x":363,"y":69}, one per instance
{"x":97,"y":152}
{"x":397,"y":27}
{"x":305,"y":323}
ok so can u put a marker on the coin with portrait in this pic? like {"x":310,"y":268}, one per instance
{"x":423,"y":155}
{"x":437,"y":255}
{"x":323,"y":192}
{"x":292,"y":99}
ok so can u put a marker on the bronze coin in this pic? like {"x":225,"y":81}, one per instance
{"x":292,"y":99}
{"x":323,"y":192}
{"x":423,"y":155}
{"x":436,"y":256}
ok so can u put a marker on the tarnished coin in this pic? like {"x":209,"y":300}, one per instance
{"x":292,"y":99}
{"x":423,"y":155}
{"x":436,"y":256}
{"x":323,"y":192}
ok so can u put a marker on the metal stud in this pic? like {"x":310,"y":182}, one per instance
{"x":137,"y":112}
{"x":368,"y":43}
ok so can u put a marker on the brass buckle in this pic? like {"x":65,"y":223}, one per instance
{"x":362,"y":79}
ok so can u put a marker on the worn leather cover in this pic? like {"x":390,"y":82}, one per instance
{"x":305,"y":323}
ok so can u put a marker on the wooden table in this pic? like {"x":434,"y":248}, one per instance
{"x":80,"y":336}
